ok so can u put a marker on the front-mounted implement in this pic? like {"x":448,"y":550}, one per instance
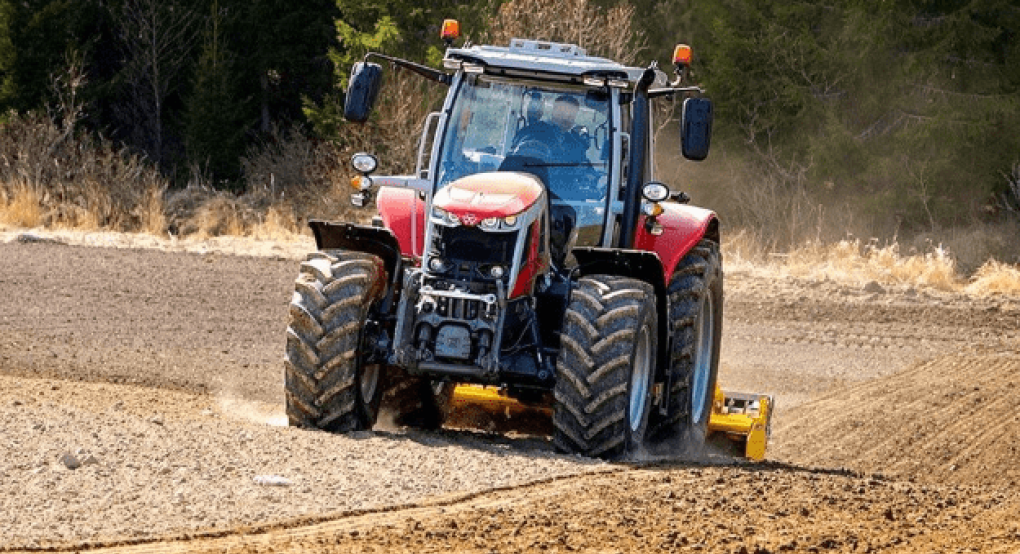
{"x":532,"y":251}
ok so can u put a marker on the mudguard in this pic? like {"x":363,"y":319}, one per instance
{"x":643,"y":265}
{"x":403,"y":212}
{"x":683,"y":227}
{"x":358,"y":238}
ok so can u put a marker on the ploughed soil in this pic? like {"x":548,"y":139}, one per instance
{"x":140,"y":409}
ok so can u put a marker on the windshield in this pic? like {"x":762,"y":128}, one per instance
{"x":561,"y":135}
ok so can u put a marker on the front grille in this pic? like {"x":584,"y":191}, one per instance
{"x":470,"y":253}
{"x":473,"y":245}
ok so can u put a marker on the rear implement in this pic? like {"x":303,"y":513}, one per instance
{"x":743,"y":419}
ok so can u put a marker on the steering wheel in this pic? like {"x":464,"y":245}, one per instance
{"x":533,"y":148}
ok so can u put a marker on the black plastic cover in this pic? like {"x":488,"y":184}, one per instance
{"x":358,"y":238}
{"x":362,"y":90}
{"x":696,"y":129}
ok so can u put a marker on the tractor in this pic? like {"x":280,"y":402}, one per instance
{"x":531,"y":260}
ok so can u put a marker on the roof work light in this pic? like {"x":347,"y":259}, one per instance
{"x":682,"y":55}
{"x":451,"y":31}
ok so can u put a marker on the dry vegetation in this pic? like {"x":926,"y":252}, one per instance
{"x":857,"y":263}
{"x":608,"y":33}
{"x":51,"y":176}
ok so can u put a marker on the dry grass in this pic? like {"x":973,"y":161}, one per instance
{"x":851,"y":261}
{"x":279,"y":225}
{"x":300,"y":178}
{"x":20,"y":205}
{"x":995,"y":278}
{"x":54,"y":176}
{"x":856,"y":263}
{"x":150,"y":211}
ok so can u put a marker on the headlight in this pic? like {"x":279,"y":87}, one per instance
{"x":437,"y":264}
{"x":490,"y":223}
{"x":510,"y":221}
{"x":364,"y":163}
{"x":655,"y":192}
{"x":439,"y":213}
{"x":452,"y":218}
{"x":497,"y":271}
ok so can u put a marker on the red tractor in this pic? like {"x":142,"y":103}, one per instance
{"x":532,"y":252}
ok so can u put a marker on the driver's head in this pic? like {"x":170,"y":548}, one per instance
{"x":535,"y":107}
{"x":564,"y":114}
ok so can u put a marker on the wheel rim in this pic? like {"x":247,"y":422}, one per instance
{"x":368,"y":373}
{"x":369,"y":381}
{"x":704,"y":339}
{"x":640,"y":379}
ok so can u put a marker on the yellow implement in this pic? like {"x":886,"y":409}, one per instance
{"x":743,"y":418}
{"x":491,"y":399}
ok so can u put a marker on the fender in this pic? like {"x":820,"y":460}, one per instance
{"x":403,"y":213}
{"x":358,"y":238}
{"x":683,"y":227}
{"x":642,"y":265}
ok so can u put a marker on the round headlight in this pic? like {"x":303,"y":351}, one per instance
{"x":437,"y":264}
{"x":496,"y":272}
{"x":655,"y":192}
{"x":364,"y":163}
{"x":510,"y":220}
{"x":452,"y":218}
{"x":490,"y":223}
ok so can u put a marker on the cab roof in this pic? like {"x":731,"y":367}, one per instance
{"x":542,"y":59}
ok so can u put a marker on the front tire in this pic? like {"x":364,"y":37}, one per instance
{"x":695,"y":319}
{"x":606,"y":367}
{"x":328,"y":383}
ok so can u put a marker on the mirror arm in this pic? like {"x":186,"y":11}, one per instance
{"x":424,"y":71}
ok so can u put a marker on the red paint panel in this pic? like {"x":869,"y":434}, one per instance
{"x":532,"y":266}
{"x":401,"y":208}
{"x":484,"y":195}
{"x":682,"y":227}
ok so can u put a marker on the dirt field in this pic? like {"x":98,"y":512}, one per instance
{"x":159,"y":373}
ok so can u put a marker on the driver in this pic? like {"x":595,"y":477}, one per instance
{"x":562,"y":136}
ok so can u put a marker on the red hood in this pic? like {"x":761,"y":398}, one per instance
{"x":484,"y":195}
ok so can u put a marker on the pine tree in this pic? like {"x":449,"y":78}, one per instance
{"x":215,"y":124}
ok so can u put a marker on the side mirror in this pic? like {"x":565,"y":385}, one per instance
{"x":696,"y":128}
{"x":362,"y":90}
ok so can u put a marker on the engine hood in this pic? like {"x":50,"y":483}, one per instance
{"x":494,"y":194}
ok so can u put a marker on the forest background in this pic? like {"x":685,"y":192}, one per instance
{"x":891,"y":120}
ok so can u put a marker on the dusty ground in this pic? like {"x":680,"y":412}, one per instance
{"x":159,"y":371}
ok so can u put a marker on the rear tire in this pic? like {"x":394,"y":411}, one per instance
{"x":606,"y":367}
{"x":695,"y":319}
{"x":327,"y":384}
